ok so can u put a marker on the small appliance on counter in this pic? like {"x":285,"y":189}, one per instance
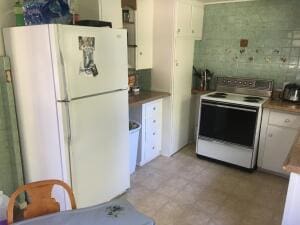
{"x":291,"y":92}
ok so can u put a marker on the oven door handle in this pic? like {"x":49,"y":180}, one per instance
{"x":229,"y":107}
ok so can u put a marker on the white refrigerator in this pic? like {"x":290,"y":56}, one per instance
{"x":70,"y":85}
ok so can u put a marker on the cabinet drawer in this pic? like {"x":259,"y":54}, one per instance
{"x":154,"y":110}
{"x":153,"y":131}
{"x":152,"y":151}
{"x":284,"y":119}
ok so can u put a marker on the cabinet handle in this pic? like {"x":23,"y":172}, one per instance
{"x":287,"y":121}
{"x":141,"y":53}
{"x":154,"y":121}
{"x":154,"y":108}
{"x":153,"y":147}
{"x":178,"y":30}
{"x":270,"y":135}
{"x":193,"y":31}
{"x":153,"y":133}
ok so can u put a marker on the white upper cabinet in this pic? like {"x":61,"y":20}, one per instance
{"x":111,"y":11}
{"x":106,"y":10}
{"x":184,"y":16}
{"x":197,"y":21}
{"x":144,"y":34}
{"x":189,"y":19}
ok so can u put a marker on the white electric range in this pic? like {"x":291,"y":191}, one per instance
{"x":230,"y":119}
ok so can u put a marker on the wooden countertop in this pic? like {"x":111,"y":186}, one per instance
{"x":292,"y":162}
{"x":278,"y":104}
{"x":146,"y":96}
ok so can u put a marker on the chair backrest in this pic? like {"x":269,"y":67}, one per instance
{"x":40,"y":199}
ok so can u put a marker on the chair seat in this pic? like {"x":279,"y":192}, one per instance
{"x":116,"y":212}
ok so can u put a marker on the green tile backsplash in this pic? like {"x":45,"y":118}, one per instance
{"x":144,"y":79}
{"x":272,"y":28}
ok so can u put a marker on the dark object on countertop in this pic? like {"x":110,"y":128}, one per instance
{"x":291,"y":92}
{"x":94,"y":23}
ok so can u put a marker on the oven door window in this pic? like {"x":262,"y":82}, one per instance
{"x":228,"y":123}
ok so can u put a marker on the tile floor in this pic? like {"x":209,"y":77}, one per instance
{"x":185,"y":190}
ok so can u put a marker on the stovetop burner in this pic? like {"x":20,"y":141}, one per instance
{"x":251,"y":100}
{"x":254,"y":99}
{"x":218,"y":95}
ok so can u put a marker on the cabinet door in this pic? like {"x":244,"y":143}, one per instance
{"x":182,"y":81}
{"x":184,"y":13}
{"x":279,"y":141}
{"x":144,"y":34}
{"x":197,"y":21}
{"x":111,"y":11}
{"x":88,"y":9}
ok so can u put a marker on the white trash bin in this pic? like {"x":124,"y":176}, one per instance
{"x":134,"y":132}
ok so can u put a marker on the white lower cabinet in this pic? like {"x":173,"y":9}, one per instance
{"x":278,"y":135}
{"x":149,"y":115}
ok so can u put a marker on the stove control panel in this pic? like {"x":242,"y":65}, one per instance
{"x":241,"y":85}
{"x":244,"y":82}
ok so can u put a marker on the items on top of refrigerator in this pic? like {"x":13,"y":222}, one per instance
{"x":18,"y":9}
{"x":46,"y":11}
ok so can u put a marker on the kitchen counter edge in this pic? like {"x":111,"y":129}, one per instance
{"x":280,"y":105}
{"x":145,"y":97}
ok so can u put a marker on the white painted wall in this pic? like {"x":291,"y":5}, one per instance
{"x":7,"y":19}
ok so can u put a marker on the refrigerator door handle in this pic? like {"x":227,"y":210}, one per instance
{"x":62,"y":62}
{"x":69,"y":136}
{"x":68,"y":124}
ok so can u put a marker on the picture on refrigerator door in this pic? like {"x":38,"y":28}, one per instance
{"x":87,"y":67}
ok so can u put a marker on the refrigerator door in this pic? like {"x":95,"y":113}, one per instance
{"x":99,"y":149}
{"x":92,"y":60}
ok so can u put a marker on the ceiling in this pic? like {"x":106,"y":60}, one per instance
{"x":223,"y":1}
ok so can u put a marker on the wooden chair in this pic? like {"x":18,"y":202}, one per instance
{"x":41,"y":202}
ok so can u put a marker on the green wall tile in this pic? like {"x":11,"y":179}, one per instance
{"x":272,"y":28}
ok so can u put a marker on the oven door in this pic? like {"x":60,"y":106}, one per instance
{"x":231,"y":123}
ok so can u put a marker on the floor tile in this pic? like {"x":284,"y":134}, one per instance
{"x":187,"y":190}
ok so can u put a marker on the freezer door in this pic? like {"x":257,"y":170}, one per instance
{"x":99,"y":149}
{"x":93,"y":60}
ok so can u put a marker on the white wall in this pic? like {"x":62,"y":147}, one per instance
{"x":7,"y":19}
